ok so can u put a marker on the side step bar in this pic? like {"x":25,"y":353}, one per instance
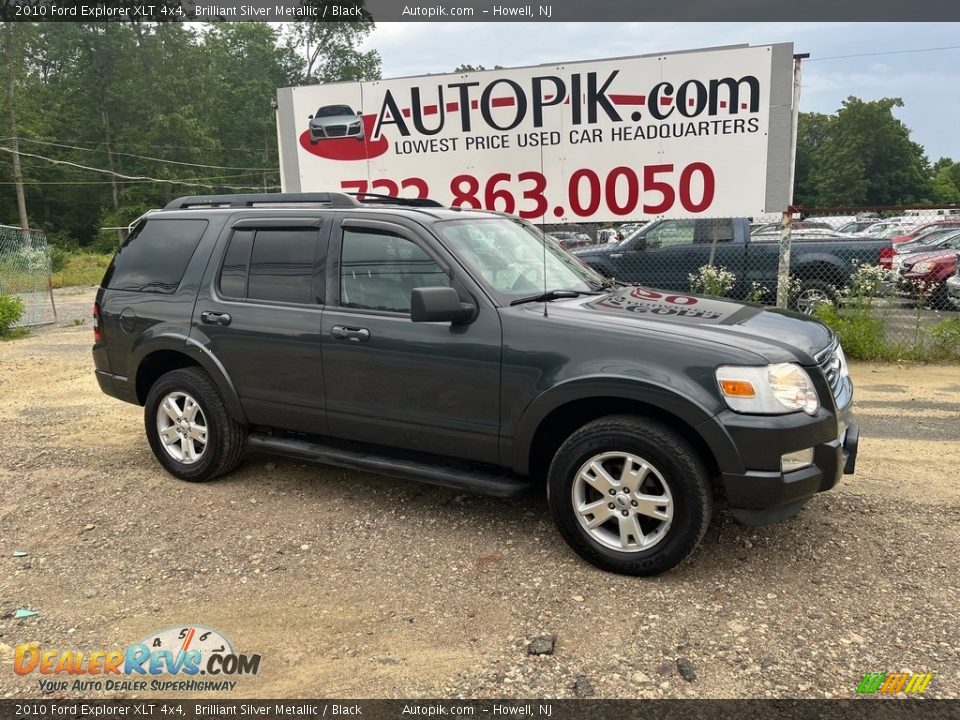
{"x":459,"y":477}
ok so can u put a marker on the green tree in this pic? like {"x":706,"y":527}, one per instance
{"x":331,"y":51}
{"x":868,"y":158}
{"x":946,"y":181}
{"x":474,"y":68}
{"x":812,"y":131}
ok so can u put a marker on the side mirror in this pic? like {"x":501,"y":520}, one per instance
{"x":310,"y":117}
{"x":439,"y":304}
{"x":359,"y":113}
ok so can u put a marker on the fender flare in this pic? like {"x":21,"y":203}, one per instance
{"x":159,"y":339}
{"x":684,"y":409}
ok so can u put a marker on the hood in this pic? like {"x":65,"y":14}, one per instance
{"x":774,"y":334}
{"x":942,"y":254}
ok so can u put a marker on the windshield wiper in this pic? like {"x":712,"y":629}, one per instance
{"x":550,"y":295}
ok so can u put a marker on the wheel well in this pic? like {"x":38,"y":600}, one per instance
{"x":823,"y":271}
{"x":564,"y":420}
{"x":156,"y":364}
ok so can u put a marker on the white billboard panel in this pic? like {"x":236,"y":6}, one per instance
{"x":701,"y":133}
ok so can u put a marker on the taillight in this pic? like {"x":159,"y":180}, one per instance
{"x":97,"y":335}
{"x":886,"y":257}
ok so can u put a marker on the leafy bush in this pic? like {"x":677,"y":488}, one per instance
{"x":862,"y":332}
{"x":712,"y":280}
{"x":946,"y":339}
{"x":81,"y":269}
{"x":11,"y":310}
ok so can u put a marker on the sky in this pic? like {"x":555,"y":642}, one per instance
{"x":928,"y":82}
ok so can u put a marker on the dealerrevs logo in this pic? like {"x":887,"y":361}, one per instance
{"x":587,"y":98}
{"x":190,"y":651}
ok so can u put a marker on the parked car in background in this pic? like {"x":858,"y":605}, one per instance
{"x":665,"y":253}
{"x":953,"y":287}
{"x":916,"y":232}
{"x":939,"y":240}
{"x":774,"y":228}
{"x":924,"y":277}
{"x":856,"y":226}
{"x":569,"y":240}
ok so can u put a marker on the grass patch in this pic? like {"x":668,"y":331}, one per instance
{"x":80,"y":268}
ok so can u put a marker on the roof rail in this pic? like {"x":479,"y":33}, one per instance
{"x":377,"y":199}
{"x":331,"y":199}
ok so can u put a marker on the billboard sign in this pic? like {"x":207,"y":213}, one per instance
{"x":701,"y":133}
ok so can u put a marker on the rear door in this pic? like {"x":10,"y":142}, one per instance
{"x":430,"y":387}
{"x":258,"y":313}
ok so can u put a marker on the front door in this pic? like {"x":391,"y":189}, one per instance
{"x":429,"y":387}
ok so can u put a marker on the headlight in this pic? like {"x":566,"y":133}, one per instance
{"x":844,"y":368}
{"x":771,"y":390}
{"x":923,"y":268}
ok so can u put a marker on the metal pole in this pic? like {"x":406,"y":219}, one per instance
{"x":786,"y":225}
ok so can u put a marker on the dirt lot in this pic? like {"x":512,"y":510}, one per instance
{"x":353,"y":585}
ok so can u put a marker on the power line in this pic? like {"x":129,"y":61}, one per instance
{"x":884,"y":52}
{"x":161,"y":147}
{"x":144,"y":157}
{"x":104,"y":171}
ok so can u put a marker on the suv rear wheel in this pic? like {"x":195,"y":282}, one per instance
{"x":629,"y":495}
{"x":189,"y":428}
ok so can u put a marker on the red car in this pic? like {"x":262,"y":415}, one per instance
{"x":917,"y":231}
{"x":926,"y":275}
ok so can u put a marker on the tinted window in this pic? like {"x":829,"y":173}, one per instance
{"x":233,"y":274}
{"x":670,"y":233}
{"x":281,"y":265}
{"x":155,"y":256}
{"x":378,"y":270}
{"x":265,"y":264}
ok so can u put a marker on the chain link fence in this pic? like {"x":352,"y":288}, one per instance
{"x":896,"y":267}
{"x":25,"y":273}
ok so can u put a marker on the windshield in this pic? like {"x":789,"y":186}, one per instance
{"x":509,"y":258}
{"x":334,"y":111}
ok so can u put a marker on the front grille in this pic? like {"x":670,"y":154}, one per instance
{"x":829,"y":363}
{"x":336,"y":130}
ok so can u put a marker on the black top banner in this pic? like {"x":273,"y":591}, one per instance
{"x":477,"y":10}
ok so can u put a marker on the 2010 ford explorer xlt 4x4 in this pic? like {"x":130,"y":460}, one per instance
{"x":460,"y":348}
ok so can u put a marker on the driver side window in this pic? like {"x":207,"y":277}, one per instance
{"x":671,"y":233}
{"x":378,"y":270}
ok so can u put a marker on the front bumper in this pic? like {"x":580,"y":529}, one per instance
{"x":763,"y":493}
{"x":953,"y":290}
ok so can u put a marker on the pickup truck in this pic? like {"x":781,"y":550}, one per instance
{"x":664,"y":253}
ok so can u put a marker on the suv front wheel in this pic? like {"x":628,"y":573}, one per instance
{"x":629,"y":495}
{"x":190,"y":429}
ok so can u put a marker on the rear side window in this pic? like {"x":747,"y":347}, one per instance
{"x":274,"y":265}
{"x":155,"y":256}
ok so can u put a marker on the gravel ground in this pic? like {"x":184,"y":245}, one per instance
{"x":353,"y":585}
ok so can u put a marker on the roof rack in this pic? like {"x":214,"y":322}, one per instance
{"x":377,"y":199}
{"x":329,"y":199}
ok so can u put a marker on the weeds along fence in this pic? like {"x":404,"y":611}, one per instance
{"x":25,"y":273}
{"x":880,"y":276}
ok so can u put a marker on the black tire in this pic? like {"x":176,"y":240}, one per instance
{"x":811,"y":293}
{"x":676,"y":463}
{"x":225,"y":438}
{"x":940,"y":298}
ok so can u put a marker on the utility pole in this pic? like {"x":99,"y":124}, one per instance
{"x":786,"y":224}
{"x":15,"y":141}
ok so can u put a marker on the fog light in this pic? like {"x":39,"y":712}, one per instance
{"x":796,"y":460}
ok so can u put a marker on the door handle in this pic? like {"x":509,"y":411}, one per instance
{"x":339,"y":332}
{"x":214,"y":318}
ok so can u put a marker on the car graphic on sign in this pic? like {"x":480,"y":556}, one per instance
{"x":335,"y":121}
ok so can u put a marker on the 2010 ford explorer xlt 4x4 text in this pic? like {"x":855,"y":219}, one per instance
{"x":460,"y":348}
